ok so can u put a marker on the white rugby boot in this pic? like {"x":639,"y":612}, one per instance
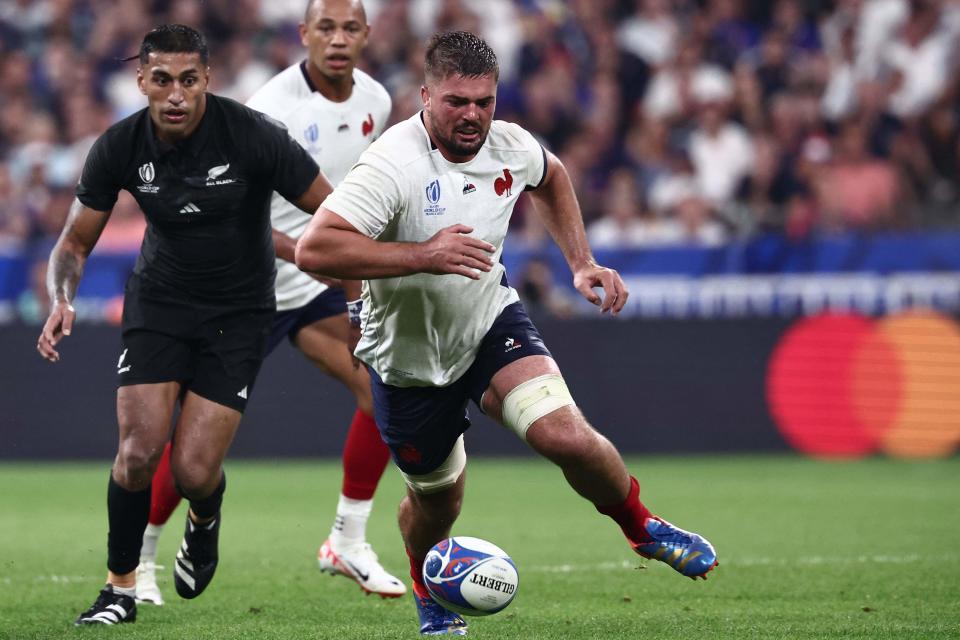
{"x":359,"y":563}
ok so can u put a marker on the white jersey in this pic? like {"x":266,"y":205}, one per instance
{"x":335,"y":134}
{"x":424,"y":330}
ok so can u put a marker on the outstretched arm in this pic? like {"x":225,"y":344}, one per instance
{"x":556,"y":203}
{"x":333,"y":247}
{"x":69,"y":255}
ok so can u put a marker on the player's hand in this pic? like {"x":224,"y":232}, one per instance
{"x":592,"y":275}
{"x":451,"y":250}
{"x":59,"y":324}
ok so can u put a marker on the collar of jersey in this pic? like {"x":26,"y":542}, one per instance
{"x":313,"y":87}
{"x":192,"y":145}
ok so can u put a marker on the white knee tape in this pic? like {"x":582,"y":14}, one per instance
{"x":443,"y":476}
{"x":533,"y":399}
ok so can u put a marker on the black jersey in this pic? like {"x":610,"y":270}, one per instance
{"x":206,"y":200}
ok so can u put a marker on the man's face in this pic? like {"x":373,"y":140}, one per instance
{"x":459,"y":111}
{"x":175,"y":86}
{"x":334,"y":36}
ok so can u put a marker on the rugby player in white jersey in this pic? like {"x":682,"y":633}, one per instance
{"x":334,"y":111}
{"x":421,"y":219}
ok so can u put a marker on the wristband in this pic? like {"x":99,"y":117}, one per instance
{"x":354,"y":308}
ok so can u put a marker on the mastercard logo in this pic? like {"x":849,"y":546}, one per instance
{"x":843,"y":385}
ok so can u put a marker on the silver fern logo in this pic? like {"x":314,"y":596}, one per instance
{"x":216,"y":172}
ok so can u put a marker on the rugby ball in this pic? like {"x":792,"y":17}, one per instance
{"x":470,"y":576}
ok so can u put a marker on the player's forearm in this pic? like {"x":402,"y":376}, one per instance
{"x":64,"y":271}
{"x":284,"y":246}
{"x":348,"y":255}
{"x":556,"y":203}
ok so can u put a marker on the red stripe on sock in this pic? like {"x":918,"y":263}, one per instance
{"x":630,"y":514}
{"x":416,"y":572}
{"x":365,"y":456}
{"x":164,"y":496}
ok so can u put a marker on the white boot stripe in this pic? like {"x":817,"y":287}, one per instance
{"x":186,"y":577}
{"x":120,"y":610}
{"x":109,"y":617}
{"x":185,"y":563}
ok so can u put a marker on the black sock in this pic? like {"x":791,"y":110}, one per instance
{"x":208,"y":507}
{"x":127,"y":513}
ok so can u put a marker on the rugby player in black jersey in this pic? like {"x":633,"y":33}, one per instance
{"x":199,"y":305}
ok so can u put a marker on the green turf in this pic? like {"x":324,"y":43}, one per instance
{"x":807,"y":549}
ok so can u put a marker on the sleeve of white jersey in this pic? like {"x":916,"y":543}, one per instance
{"x":536,"y":165}
{"x":369,"y":197}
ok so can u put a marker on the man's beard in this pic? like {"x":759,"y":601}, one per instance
{"x":458,"y":149}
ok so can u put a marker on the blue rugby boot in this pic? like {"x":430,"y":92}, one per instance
{"x":434,"y":619}
{"x":689,"y":553}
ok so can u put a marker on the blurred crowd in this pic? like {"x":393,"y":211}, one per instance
{"x":679,"y":121}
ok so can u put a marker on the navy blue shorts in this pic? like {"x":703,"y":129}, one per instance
{"x":287,"y":324}
{"x":421,"y":424}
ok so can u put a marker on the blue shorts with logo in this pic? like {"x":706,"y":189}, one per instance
{"x":421,"y":424}
{"x":286,"y":324}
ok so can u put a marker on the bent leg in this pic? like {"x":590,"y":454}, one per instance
{"x":164,"y":496}
{"x":590,"y":463}
{"x":365,"y":455}
{"x":346,"y":552}
{"x":205,"y":431}
{"x":143,"y":415}
{"x":426,"y":519}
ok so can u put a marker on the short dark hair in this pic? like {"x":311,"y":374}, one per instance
{"x":174,"y":38}
{"x":459,"y":53}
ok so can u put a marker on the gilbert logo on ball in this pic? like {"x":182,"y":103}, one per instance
{"x":470,"y":576}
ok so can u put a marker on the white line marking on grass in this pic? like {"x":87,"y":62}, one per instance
{"x":756,"y":562}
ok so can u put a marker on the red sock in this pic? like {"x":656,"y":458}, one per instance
{"x":164,"y":496}
{"x":416,"y":572}
{"x":365,"y":456}
{"x":630,"y":514}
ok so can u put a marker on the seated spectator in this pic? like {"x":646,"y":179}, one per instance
{"x":721,"y":152}
{"x":651,"y":32}
{"x":675,"y":90}
{"x":857,"y":191}
{"x":626,"y":223}
{"x":688,"y":217}
{"x":921,"y":62}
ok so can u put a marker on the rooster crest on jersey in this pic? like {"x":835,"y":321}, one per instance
{"x":470,"y":576}
{"x":504,"y":184}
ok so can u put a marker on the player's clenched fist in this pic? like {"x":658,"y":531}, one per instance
{"x":451,"y":250}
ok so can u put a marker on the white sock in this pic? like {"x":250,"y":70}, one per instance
{"x":350,"y":525}
{"x":148,"y":551}
{"x":125,"y":591}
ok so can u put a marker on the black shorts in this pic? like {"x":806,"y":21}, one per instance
{"x":214,"y":352}
{"x":421,"y":424}
{"x":287,"y":324}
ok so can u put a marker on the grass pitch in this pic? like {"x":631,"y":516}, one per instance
{"x":808,"y":549}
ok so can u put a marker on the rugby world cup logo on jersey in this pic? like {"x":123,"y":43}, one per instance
{"x":147,"y":174}
{"x":433,"y":207}
{"x":311,"y":136}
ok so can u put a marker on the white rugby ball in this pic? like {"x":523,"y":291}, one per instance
{"x":470,"y":576}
